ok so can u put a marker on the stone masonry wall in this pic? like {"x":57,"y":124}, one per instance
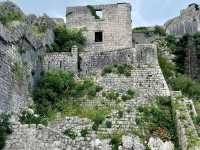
{"x":187,"y":22}
{"x":64,"y":60}
{"x":18,"y":46}
{"x":115,"y":25}
{"x":27,"y":137}
{"x":92,"y":61}
{"x":186,"y":131}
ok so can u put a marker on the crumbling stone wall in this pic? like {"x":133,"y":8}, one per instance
{"x":19,"y":46}
{"x":186,"y":131}
{"x":27,"y":137}
{"x":92,"y":61}
{"x":187,"y":22}
{"x":115,"y":25}
{"x":62,"y":60}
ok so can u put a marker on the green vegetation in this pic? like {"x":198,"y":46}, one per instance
{"x":111,"y":95}
{"x":120,"y":69}
{"x":28,"y":117}
{"x":70,"y":134}
{"x":156,"y":120}
{"x":147,"y":30}
{"x":84,"y":132}
{"x":116,"y":141}
{"x":58,"y":88}
{"x":141,"y":30}
{"x":188,"y":86}
{"x":5,"y":129}
{"x":18,"y":72}
{"x":65,"y":39}
{"x":7,"y":15}
{"x":129,"y":95}
{"x":99,"y":118}
{"x":93,"y":11}
{"x":159,"y":30}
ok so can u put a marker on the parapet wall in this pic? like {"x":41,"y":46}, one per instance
{"x":64,"y":60}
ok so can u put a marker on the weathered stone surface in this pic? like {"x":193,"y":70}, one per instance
{"x":158,"y":144}
{"x":187,"y":22}
{"x":115,"y":25}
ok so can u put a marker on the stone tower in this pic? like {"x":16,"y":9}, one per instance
{"x":108,"y":27}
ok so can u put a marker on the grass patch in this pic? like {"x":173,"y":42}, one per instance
{"x":121,"y":69}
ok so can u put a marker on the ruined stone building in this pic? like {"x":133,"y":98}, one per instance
{"x":108,"y":29}
{"x":187,"y":22}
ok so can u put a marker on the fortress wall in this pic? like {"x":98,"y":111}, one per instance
{"x":16,"y":49}
{"x":187,"y":22}
{"x":27,"y":137}
{"x":62,"y":60}
{"x":115,"y":25}
{"x":5,"y":80}
{"x":93,"y":61}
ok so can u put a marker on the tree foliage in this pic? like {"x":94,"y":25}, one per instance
{"x":66,"y":38}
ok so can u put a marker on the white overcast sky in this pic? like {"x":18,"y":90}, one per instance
{"x":144,"y":12}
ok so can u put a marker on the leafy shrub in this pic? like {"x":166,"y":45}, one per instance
{"x":7,"y":15}
{"x":57,"y":87}
{"x":126,"y":97}
{"x":116,"y":140}
{"x":5,"y":128}
{"x":84,"y":132}
{"x":65,"y":39}
{"x":157,"y":119}
{"x":99,"y":118}
{"x":120,"y":69}
{"x":108,"y":124}
{"x":188,"y":86}
{"x":131,"y":93}
{"x":112,"y":95}
{"x":159,"y":30}
{"x":70,"y":133}
{"x":28,"y":117}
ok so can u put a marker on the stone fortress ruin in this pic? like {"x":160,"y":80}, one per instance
{"x":109,"y":41}
{"x":108,"y":30}
{"x":187,"y":22}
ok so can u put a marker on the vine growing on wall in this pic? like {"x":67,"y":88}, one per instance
{"x":93,"y":11}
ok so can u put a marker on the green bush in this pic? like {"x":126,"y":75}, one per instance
{"x":159,"y":30}
{"x":99,"y":118}
{"x":65,"y":39}
{"x":84,"y":132}
{"x":5,"y":128}
{"x":57,"y":87}
{"x":112,"y":95}
{"x":131,"y":93}
{"x":120,"y":69}
{"x":28,"y":117}
{"x":70,"y":134}
{"x":126,"y":97}
{"x":157,"y":120}
{"x":116,"y":140}
{"x":188,"y":86}
{"x":7,"y":16}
